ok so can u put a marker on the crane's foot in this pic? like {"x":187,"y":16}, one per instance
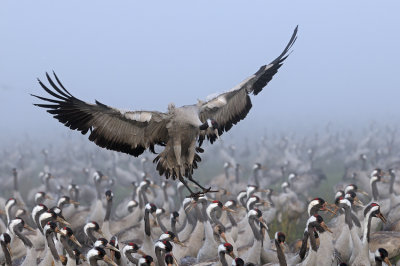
{"x":207,"y":190}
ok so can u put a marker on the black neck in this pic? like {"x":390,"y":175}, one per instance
{"x":159,"y":256}
{"x":6,"y":254}
{"x":52,"y":247}
{"x":24,"y":239}
{"x":226,"y":173}
{"x":98,"y":190}
{"x":237,"y":175}
{"x":255,"y":175}
{"x":280,"y":254}
{"x":222,"y":258}
{"x":108,"y":210}
{"x":303,"y":248}
{"x":15,"y":181}
{"x":132,"y":259}
{"x":64,"y":242}
{"x":147,"y":223}
{"x":173,"y":226}
{"x":311,"y":235}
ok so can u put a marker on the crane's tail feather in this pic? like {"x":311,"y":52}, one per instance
{"x":167,"y":165}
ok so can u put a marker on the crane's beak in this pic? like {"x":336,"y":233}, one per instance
{"x":227,"y":209}
{"x":358,"y":202}
{"x":261,"y":220}
{"x":380,"y":216}
{"x":141,"y":253}
{"x":232,"y":255}
{"x":73,"y":239}
{"x":387,"y":261}
{"x":61,"y":220}
{"x":101,"y":233}
{"x":176,"y":240}
{"x":111,"y":247}
{"x":224,"y":237}
{"x":74,"y":202}
{"x":109,"y":261}
{"x":326,"y":227}
{"x":325,"y":208}
{"x":362,"y":192}
{"x":28,"y":228}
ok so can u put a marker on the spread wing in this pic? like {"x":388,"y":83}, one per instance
{"x":230,"y":107}
{"x":131,"y":132}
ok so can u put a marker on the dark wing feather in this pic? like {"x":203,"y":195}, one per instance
{"x":110,"y":128}
{"x":230,"y":107}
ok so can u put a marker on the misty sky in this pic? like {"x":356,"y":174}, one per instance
{"x":146,"y":54}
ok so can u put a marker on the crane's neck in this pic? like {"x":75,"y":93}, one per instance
{"x":6,"y":253}
{"x":303,"y":248}
{"x":64,"y":242}
{"x":280,"y":254}
{"x":132,"y":259}
{"x":15,"y":174}
{"x":108,"y":210}
{"x":222,"y":258}
{"x":237,"y":178}
{"x":161,"y":224}
{"x":375,"y":193}
{"x":159,"y":256}
{"x":255,"y":176}
{"x":147,"y":222}
{"x":256,"y":231}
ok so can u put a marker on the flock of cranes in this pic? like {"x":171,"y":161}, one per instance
{"x":78,"y":205}
{"x":99,"y":208}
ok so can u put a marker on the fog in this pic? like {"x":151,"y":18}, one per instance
{"x":136,"y":55}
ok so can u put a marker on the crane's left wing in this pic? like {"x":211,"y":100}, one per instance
{"x":131,"y":132}
{"x":230,"y":107}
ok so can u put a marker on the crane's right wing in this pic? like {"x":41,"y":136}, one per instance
{"x":130,"y":132}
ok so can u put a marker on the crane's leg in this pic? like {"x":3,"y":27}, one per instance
{"x":205,"y":190}
{"x":192,"y":194}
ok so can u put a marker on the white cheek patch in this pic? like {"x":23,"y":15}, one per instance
{"x":338,"y":194}
{"x":348,"y":188}
{"x":312,"y":204}
{"x":221,"y":248}
{"x":345,"y":201}
{"x":373,"y":179}
{"x":252,"y":213}
{"x":229,"y":203}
